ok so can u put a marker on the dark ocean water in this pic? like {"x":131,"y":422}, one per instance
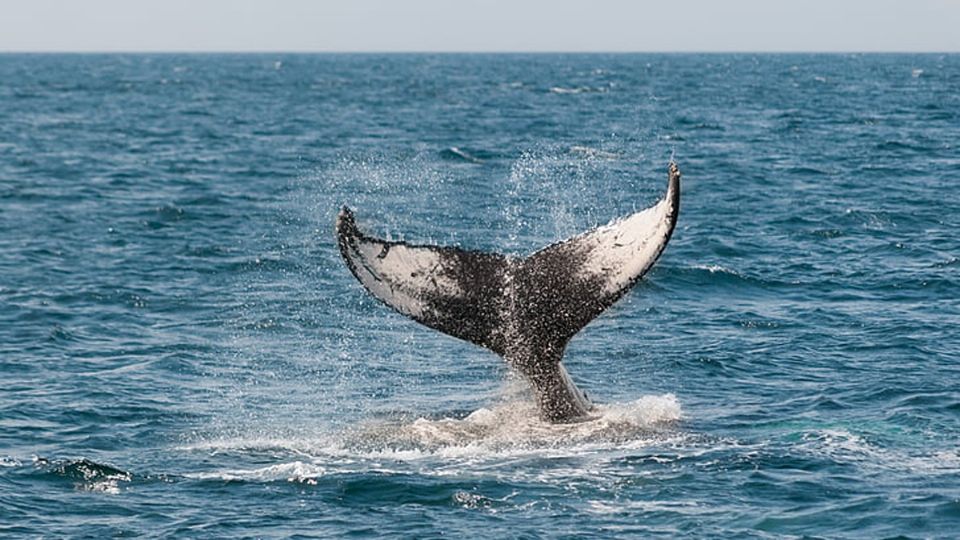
{"x":183,"y":353}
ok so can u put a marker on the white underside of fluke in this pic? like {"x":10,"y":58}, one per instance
{"x":401,"y":276}
{"x":623,"y":250}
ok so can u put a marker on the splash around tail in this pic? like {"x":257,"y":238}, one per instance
{"x":513,"y":427}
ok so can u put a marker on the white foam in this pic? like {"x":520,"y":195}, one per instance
{"x":843,"y":446}
{"x":296,"y":471}
{"x":464,"y":155}
{"x":713,"y":268}
{"x":258,"y":443}
{"x":509,"y":429}
{"x":564,"y":90}
{"x":109,"y":485}
{"x":632,"y":507}
{"x":577,"y":89}
{"x":514,"y":427}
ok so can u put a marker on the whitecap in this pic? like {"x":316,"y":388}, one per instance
{"x":693,"y":508}
{"x":296,"y":471}
{"x":844,"y":446}
{"x":714,"y":268}
{"x":455,"y":152}
{"x":576,"y":89}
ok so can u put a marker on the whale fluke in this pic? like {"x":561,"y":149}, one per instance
{"x":523,"y":309}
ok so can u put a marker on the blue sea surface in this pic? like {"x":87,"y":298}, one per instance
{"x":184,"y":354}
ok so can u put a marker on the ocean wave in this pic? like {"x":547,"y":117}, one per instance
{"x":952,"y":261}
{"x":457,"y":154}
{"x":716,"y":274}
{"x":699,"y":124}
{"x":578,"y":89}
{"x":687,"y":508}
{"x":806,"y":170}
{"x":87,"y":475}
{"x":296,"y":471}
{"x":844,"y":446}
{"x":900,"y":146}
{"x":276,"y":444}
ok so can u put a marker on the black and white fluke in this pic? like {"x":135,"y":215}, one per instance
{"x":524,"y":309}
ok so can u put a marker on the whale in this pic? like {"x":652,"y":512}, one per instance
{"x":524,"y":309}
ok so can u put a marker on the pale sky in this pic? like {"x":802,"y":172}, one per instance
{"x":474,"y":25}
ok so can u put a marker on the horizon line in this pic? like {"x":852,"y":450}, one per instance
{"x":460,"y":52}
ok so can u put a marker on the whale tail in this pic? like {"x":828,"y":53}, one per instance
{"x":523,"y":309}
